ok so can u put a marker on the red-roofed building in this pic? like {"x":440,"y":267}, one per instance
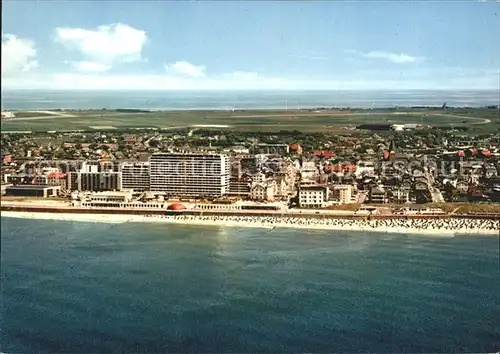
{"x":86,"y":146}
{"x":349,"y":168}
{"x":323,"y":153}
{"x":486,"y":153}
{"x":130,"y":139}
{"x":56,"y":175}
{"x":57,"y":179}
{"x":340,"y":168}
{"x":337,"y":168}
{"x":296,"y":148}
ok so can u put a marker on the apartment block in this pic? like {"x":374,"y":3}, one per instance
{"x":190,"y":174}
{"x":313,"y":196}
{"x":135,"y":176}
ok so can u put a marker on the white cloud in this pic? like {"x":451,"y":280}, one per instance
{"x":18,"y":54}
{"x":394,"y":57}
{"x":398,"y":58}
{"x":184,"y":68}
{"x":90,"y":66}
{"x":106,"y":45}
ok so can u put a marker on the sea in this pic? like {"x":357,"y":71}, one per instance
{"x":225,"y":100}
{"x":84,"y":287}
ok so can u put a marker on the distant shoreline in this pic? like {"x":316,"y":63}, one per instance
{"x":277,"y":109}
{"x":181,"y":100}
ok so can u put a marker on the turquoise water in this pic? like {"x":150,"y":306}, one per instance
{"x":38,"y":99}
{"x":89,"y":287}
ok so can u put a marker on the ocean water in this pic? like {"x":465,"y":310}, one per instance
{"x":87,"y":287}
{"x":163,"y":100}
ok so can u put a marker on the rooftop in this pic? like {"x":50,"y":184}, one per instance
{"x":32,"y":186}
{"x":112,"y":193}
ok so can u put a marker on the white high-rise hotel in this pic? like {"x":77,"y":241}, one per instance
{"x":135,"y":176}
{"x":191,"y":174}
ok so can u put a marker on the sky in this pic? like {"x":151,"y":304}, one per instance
{"x":250,"y":45}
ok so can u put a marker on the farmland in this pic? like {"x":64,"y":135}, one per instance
{"x":263,"y":120}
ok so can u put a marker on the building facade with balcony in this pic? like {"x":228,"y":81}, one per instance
{"x":135,"y":176}
{"x":190,"y":174}
{"x":313,"y":196}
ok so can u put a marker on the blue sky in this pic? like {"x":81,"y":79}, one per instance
{"x":250,"y":45}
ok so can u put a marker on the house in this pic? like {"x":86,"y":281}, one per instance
{"x":130,"y":139}
{"x":365,"y":168}
{"x":421,"y":184}
{"x":323,"y":153}
{"x":462,"y":187}
{"x":378,"y":195}
{"x":259,"y":177}
{"x":400,"y":196}
{"x":282,"y":188}
{"x":340,"y":169}
{"x":313,"y":196}
{"x":262,"y":191}
{"x":295,"y":149}
{"x":309,"y":172}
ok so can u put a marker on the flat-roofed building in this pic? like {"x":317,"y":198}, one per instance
{"x":309,"y":173}
{"x":378,"y":195}
{"x":344,"y":193}
{"x":400,"y":196}
{"x":279,"y":149}
{"x":135,"y":176}
{"x":94,"y":181}
{"x":58,"y":179}
{"x":190,"y":174}
{"x":27,"y":190}
{"x":107,"y":199}
{"x":240,"y":187}
{"x":111,"y":197}
{"x":40,"y":180}
{"x":248,"y":163}
{"x":313,"y":196}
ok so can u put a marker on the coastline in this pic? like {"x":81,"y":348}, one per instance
{"x":227,"y":222}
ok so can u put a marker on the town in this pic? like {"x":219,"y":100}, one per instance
{"x":400,"y":165}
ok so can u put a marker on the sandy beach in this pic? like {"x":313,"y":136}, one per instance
{"x":448,"y":227}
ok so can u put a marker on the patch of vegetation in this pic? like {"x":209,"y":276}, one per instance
{"x":262,"y":120}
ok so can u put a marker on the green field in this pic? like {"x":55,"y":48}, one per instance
{"x":263,"y":120}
